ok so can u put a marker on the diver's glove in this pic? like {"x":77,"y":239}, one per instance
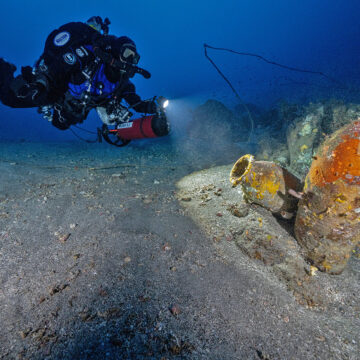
{"x":146,"y":107}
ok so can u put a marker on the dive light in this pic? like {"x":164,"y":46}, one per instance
{"x":163,"y":102}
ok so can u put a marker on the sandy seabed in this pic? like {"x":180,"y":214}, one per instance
{"x":100,"y":258}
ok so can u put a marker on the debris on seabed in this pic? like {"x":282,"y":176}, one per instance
{"x":63,"y":238}
{"x":175,"y":310}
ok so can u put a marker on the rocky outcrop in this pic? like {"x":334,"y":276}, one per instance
{"x":309,"y":130}
{"x":302,"y":138}
{"x":287,"y":134}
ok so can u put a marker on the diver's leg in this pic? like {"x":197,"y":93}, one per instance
{"x":6,"y":77}
{"x":6,"y":71}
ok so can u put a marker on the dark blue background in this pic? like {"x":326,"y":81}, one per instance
{"x":321,"y":35}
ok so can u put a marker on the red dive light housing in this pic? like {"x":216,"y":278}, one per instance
{"x":150,"y":126}
{"x":137,"y":129}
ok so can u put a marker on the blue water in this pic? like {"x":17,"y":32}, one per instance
{"x":321,"y":35}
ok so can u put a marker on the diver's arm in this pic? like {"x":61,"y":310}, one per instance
{"x":134,"y":100}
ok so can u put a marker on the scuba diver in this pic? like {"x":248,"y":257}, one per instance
{"x":83,"y":68}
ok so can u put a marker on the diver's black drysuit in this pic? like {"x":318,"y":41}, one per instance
{"x":74,"y":74}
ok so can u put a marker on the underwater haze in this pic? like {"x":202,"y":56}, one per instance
{"x":148,"y":251}
{"x":321,"y":36}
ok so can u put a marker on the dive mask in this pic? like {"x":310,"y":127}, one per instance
{"x":129,"y":55}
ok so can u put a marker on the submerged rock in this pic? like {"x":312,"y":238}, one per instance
{"x":302,"y":137}
{"x":309,"y":130}
{"x":338,"y":114}
{"x":298,"y":132}
{"x":287,"y":134}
